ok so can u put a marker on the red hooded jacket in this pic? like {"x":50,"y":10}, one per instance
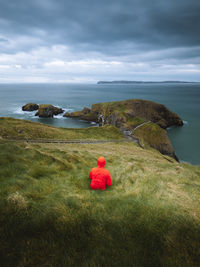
{"x":100,"y":176}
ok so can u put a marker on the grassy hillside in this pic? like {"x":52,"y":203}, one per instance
{"x":15,"y":128}
{"x":152,"y":135}
{"x":150,"y":216}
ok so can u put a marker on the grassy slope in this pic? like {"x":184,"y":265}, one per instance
{"x":14,"y":128}
{"x":50,"y":217}
{"x":153,"y":135}
{"x":150,"y":216}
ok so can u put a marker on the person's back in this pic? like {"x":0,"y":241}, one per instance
{"x":100,"y":176}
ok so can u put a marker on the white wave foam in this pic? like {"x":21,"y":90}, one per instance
{"x":68,"y":109}
{"x":31,"y":114}
{"x":172,"y":127}
{"x":19,"y":111}
{"x":59,"y":116}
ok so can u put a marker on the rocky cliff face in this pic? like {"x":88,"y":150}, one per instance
{"x":126,"y":115}
{"x":48,"y":111}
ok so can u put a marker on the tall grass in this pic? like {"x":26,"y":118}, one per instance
{"x":21,"y":129}
{"x":150,"y":216}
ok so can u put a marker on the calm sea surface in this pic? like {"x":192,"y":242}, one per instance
{"x":184,"y":99}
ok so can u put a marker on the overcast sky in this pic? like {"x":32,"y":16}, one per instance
{"x":90,"y":40}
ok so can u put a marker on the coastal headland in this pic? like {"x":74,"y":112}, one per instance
{"x":129,"y":114}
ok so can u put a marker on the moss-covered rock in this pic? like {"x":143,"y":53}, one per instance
{"x":84,"y":114}
{"x":30,"y":107}
{"x":47,"y":111}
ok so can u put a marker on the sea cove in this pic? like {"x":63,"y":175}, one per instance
{"x":183,"y":99}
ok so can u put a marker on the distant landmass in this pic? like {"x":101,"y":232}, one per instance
{"x":136,"y":82}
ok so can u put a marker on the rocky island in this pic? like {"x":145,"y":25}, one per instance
{"x":30,"y":107}
{"x":44,"y":110}
{"x":144,"y":119}
{"x":48,"y":111}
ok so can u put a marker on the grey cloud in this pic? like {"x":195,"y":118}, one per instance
{"x":129,"y":31}
{"x":172,"y":23}
{"x":3,"y":40}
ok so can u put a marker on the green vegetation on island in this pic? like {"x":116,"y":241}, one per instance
{"x":49,"y":216}
{"x":128,"y":114}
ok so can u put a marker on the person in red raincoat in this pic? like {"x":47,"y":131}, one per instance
{"x":100,"y":176}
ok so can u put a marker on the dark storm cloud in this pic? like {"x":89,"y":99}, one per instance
{"x":88,"y":40}
{"x":102,"y":25}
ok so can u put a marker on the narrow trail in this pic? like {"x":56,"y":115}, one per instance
{"x":58,"y":141}
{"x":127,"y":138}
{"x":140,"y":126}
{"x":134,"y":138}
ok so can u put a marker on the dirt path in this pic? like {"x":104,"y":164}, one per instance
{"x":128,"y":138}
{"x":59,"y":141}
{"x":140,"y":126}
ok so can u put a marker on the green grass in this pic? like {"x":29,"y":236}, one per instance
{"x":150,"y":216}
{"x":15,"y":128}
{"x":153,"y":135}
{"x":132,"y":122}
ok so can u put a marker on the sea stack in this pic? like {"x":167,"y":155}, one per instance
{"x":48,"y":111}
{"x":30,"y":107}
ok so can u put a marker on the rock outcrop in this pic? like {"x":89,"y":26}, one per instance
{"x":48,"y":111}
{"x":30,"y":107}
{"x":128,"y":114}
{"x":85,"y":114}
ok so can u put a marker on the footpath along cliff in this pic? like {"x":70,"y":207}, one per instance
{"x":129,"y":114}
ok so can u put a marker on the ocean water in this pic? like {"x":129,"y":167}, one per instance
{"x":184,"y":99}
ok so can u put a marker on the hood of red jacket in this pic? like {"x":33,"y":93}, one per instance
{"x":101,"y":162}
